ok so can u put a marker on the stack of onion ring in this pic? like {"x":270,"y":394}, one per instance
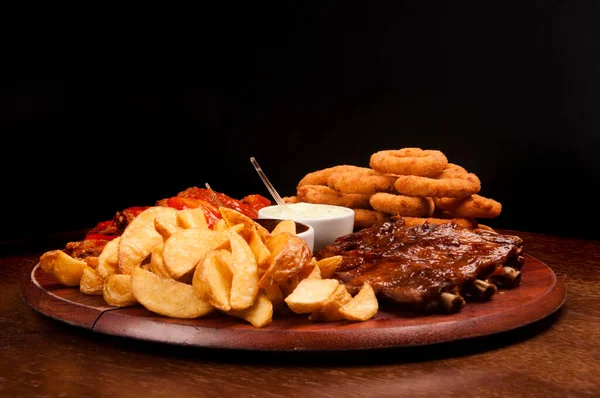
{"x":420,"y":185}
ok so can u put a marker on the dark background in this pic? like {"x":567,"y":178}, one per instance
{"x":101,"y":109}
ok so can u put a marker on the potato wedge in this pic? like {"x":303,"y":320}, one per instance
{"x":329,"y":265}
{"x":212,"y":279}
{"x":288,"y":226}
{"x":186,"y":247}
{"x":260,"y":250}
{"x":220,"y":225}
{"x":167,"y":297}
{"x":308,"y":271}
{"x":192,"y":218}
{"x":117,"y":291}
{"x":166,"y":225}
{"x":330,"y":311}
{"x":244,"y":283}
{"x":145,"y":266}
{"x":65,"y":269}
{"x":157,"y":263}
{"x":311,"y":295}
{"x":289,"y":254}
{"x":363,"y":306}
{"x":108,"y":260}
{"x":274,"y":294}
{"x":233,"y":217}
{"x":48,"y":259}
{"x":140,"y":236}
{"x":91,"y":283}
{"x":260,"y":314}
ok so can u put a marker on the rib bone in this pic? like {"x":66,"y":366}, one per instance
{"x":451,"y":302}
{"x":506,"y":277}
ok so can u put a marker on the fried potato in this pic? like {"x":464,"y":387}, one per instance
{"x":309,"y":271}
{"x":166,"y":225}
{"x":212,"y":279}
{"x":65,"y":269}
{"x":274,"y":294}
{"x":260,"y":314}
{"x":328,"y":265}
{"x":289,"y":254}
{"x":186,"y":247}
{"x":157,"y":263}
{"x":108,"y":260}
{"x":91,"y":283}
{"x":244,"y":283}
{"x":145,"y":266}
{"x":311,"y":295}
{"x":285,"y":226}
{"x":220,"y":225}
{"x":260,"y":250}
{"x":167,"y":297}
{"x":117,"y":291}
{"x":363,"y":306}
{"x":140,"y":236}
{"x":47,"y":261}
{"x":330,"y":310}
{"x":192,"y":218}
{"x":233,"y":217}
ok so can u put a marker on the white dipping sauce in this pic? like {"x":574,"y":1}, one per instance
{"x":303,"y":211}
{"x":329,"y":222}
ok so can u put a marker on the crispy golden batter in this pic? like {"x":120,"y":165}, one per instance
{"x":409,"y":161}
{"x":325,"y":195}
{"x":472,"y":206}
{"x":319,"y":177}
{"x":366,"y":218}
{"x":414,"y":206}
{"x":363,"y":180}
{"x":453,"y":182}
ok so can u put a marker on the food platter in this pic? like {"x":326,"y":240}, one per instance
{"x":541,"y":293}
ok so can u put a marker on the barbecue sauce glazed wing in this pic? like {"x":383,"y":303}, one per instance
{"x":414,"y":266}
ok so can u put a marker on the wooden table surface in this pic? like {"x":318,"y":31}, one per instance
{"x":558,"y":356}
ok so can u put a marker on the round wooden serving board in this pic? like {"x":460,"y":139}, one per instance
{"x":539,"y":295}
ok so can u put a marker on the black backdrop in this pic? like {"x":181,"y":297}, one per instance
{"x":102,"y":109}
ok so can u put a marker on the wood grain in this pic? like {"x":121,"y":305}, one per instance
{"x":539,"y":295}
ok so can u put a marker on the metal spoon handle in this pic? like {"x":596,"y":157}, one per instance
{"x":267,"y":183}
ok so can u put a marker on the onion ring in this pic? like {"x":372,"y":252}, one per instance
{"x":402,"y":205}
{"x":409,"y":161}
{"x":320,"y":177}
{"x":475,"y":206}
{"x":366,"y":218}
{"x":290,"y":199}
{"x":453,"y":182}
{"x":362,"y":180}
{"x":461,"y":222}
{"x":324,"y":195}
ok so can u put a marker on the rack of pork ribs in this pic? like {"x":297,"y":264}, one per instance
{"x":428,"y":268}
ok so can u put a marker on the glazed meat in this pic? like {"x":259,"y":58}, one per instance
{"x":427,"y":266}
